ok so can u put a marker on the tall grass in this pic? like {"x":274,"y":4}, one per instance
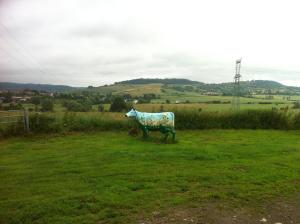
{"x":72,"y":122}
{"x":184,"y":119}
{"x":251,"y":119}
{"x":11,"y":129}
{"x":75,"y":122}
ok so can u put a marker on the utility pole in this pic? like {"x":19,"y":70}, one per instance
{"x":26,"y":120}
{"x":236,"y":86}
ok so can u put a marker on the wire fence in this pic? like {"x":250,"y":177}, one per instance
{"x":15,"y":116}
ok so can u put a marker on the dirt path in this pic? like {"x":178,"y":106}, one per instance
{"x":277,"y":212}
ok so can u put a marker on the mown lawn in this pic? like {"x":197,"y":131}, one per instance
{"x":109,"y":177}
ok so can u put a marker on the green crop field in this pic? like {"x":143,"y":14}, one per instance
{"x":110,"y":177}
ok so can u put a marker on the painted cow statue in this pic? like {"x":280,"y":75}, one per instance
{"x":163,"y":122}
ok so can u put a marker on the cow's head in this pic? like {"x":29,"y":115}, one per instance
{"x":131,"y":113}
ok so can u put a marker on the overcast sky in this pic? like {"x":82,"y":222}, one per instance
{"x":96,"y":42}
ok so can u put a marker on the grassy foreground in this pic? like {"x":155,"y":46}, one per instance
{"x":109,"y":177}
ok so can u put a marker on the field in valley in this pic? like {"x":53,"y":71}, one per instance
{"x":89,"y":170}
{"x":110,"y":177}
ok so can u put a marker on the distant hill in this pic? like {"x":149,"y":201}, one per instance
{"x":38,"y":87}
{"x":160,"y":81}
{"x":246,"y":87}
{"x":157,"y":86}
{"x":253,"y":83}
{"x":254,"y":86}
{"x":264,"y":84}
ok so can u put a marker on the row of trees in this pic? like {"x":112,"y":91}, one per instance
{"x":45,"y":104}
{"x":41,"y":105}
{"x":118,"y":104}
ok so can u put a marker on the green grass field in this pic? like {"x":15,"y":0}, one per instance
{"x":109,"y":177}
{"x":196,"y":100}
{"x":155,"y":107}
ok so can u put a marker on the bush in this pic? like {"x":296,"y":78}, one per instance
{"x":296,"y":105}
{"x":75,"y":122}
{"x":12,"y":129}
{"x":77,"y":106}
{"x":118,"y":105}
{"x":35,"y":100}
{"x":44,"y":123}
{"x":264,"y":102}
{"x":296,"y":121}
{"x":100,"y":107}
{"x":142,"y":100}
{"x":47,"y":105}
{"x":214,"y":102}
{"x":252,"y":119}
{"x":49,"y":123}
{"x":161,"y":108}
{"x":12,"y":106}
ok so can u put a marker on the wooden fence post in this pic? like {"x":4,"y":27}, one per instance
{"x":26,"y":121}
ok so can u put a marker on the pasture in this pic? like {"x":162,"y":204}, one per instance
{"x":210,"y":107}
{"x":110,"y":177}
{"x":193,"y":101}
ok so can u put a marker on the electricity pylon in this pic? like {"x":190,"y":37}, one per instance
{"x":236,"y":86}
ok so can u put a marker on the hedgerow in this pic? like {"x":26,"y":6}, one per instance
{"x":184,"y":120}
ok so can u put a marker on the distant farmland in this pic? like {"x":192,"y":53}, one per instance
{"x":81,"y":166}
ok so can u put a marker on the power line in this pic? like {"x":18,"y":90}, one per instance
{"x":20,"y":49}
{"x":13,"y":58}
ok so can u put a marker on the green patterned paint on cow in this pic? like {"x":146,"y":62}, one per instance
{"x":163,"y":122}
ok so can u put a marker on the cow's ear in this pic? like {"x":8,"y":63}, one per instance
{"x":133,"y":108}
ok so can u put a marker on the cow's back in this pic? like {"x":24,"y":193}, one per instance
{"x":156,"y":119}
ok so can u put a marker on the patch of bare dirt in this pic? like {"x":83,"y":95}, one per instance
{"x":275,"y":212}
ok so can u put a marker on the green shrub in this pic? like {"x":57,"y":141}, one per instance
{"x":296,"y":105}
{"x":12,"y":129}
{"x":118,"y":105}
{"x":184,"y":119}
{"x":47,"y":105}
{"x":296,"y":121}
{"x":252,"y":119}
{"x":44,"y":123}
{"x":77,"y":106}
{"x":36,"y":101}
{"x":73,"y":122}
{"x":12,"y":106}
{"x":100,"y":107}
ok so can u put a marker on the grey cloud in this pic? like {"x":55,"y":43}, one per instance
{"x":274,"y":71}
{"x":122,"y":33}
{"x":76,"y":48}
{"x":172,"y":59}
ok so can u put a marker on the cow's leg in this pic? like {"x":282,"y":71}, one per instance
{"x":145,"y":132}
{"x":173,"y":134}
{"x":165,"y":131}
{"x":166,"y":136}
